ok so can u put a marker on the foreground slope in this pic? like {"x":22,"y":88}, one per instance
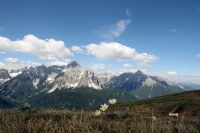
{"x":187,"y":104}
{"x":131,"y":117}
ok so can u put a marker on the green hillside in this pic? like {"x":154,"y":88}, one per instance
{"x":186,"y":104}
{"x":6,"y":103}
{"x":79,"y":98}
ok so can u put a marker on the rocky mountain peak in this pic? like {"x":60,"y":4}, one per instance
{"x":73,"y":64}
{"x":4,"y":74}
{"x":139,"y":73}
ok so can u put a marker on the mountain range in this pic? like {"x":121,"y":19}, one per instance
{"x":73,"y":86}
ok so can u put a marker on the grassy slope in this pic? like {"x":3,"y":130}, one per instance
{"x":65,"y":121}
{"x":122,"y":118}
{"x":185,"y":103}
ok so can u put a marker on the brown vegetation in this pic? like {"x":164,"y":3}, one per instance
{"x":51,"y":121}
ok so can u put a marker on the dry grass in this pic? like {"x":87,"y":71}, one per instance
{"x":65,"y":121}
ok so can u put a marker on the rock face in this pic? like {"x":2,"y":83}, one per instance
{"x":127,"y":81}
{"x":74,"y":77}
{"x":29,"y":82}
{"x":4,"y":76}
{"x":73,"y":64}
{"x":14,"y":72}
{"x":42,"y":79}
{"x":142,"y":85}
{"x":48,"y":79}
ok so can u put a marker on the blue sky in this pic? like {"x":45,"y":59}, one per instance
{"x":108,"y":34}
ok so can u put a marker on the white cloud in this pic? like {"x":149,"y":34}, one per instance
{"x":146,"y":58}
{"x":32,"y":45}
{"x":144,"y":65}
{"x":76,"y":49}
{"x":179,"y":78}
{"x":119,"y":27}
{"x":119,"y":52}
{"x":14,"y":63}
{"x":132,"y":70}
{"x":172,"y":73}
{"x":59,"y":63}
{"x":175,"y":31}
{"x":112,"y":50}
{"x":127,"y":65}
{"x":114,"y":30}
{"x":11,"y":60}
{"x":49,"y":58}
{"x":100,"y":66}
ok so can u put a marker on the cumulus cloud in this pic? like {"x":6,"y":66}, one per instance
{"x":144,"y":57}
{"x":119,"y":52}
{"x":127,"y":65}
{"x":76,"y":49}
{"x":33,"y":45}
{"x":15,"y":63}
{"x":111,"y":50}
{"x":100,"y":66}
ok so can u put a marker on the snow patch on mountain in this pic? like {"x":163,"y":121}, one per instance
{"x":53,"y":88}
{"x":106,"y":76}
{"x":14,"y":73}
{"x":51,"y":78}
{"x":3,"y":80}
{"x":92,"y":85}
{"x":74,"y":77}
{"x":181,"y":86}
{"x":36,"y":82}
{"x":149,"y":82}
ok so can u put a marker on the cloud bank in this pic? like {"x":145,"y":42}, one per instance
{"x":15,"y":63}
{"x":31,"y":44}
{"x":127,"y":65}
{"x":172,"y":73}
{"x":100,"y":66}
{"x":119,"y":52}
